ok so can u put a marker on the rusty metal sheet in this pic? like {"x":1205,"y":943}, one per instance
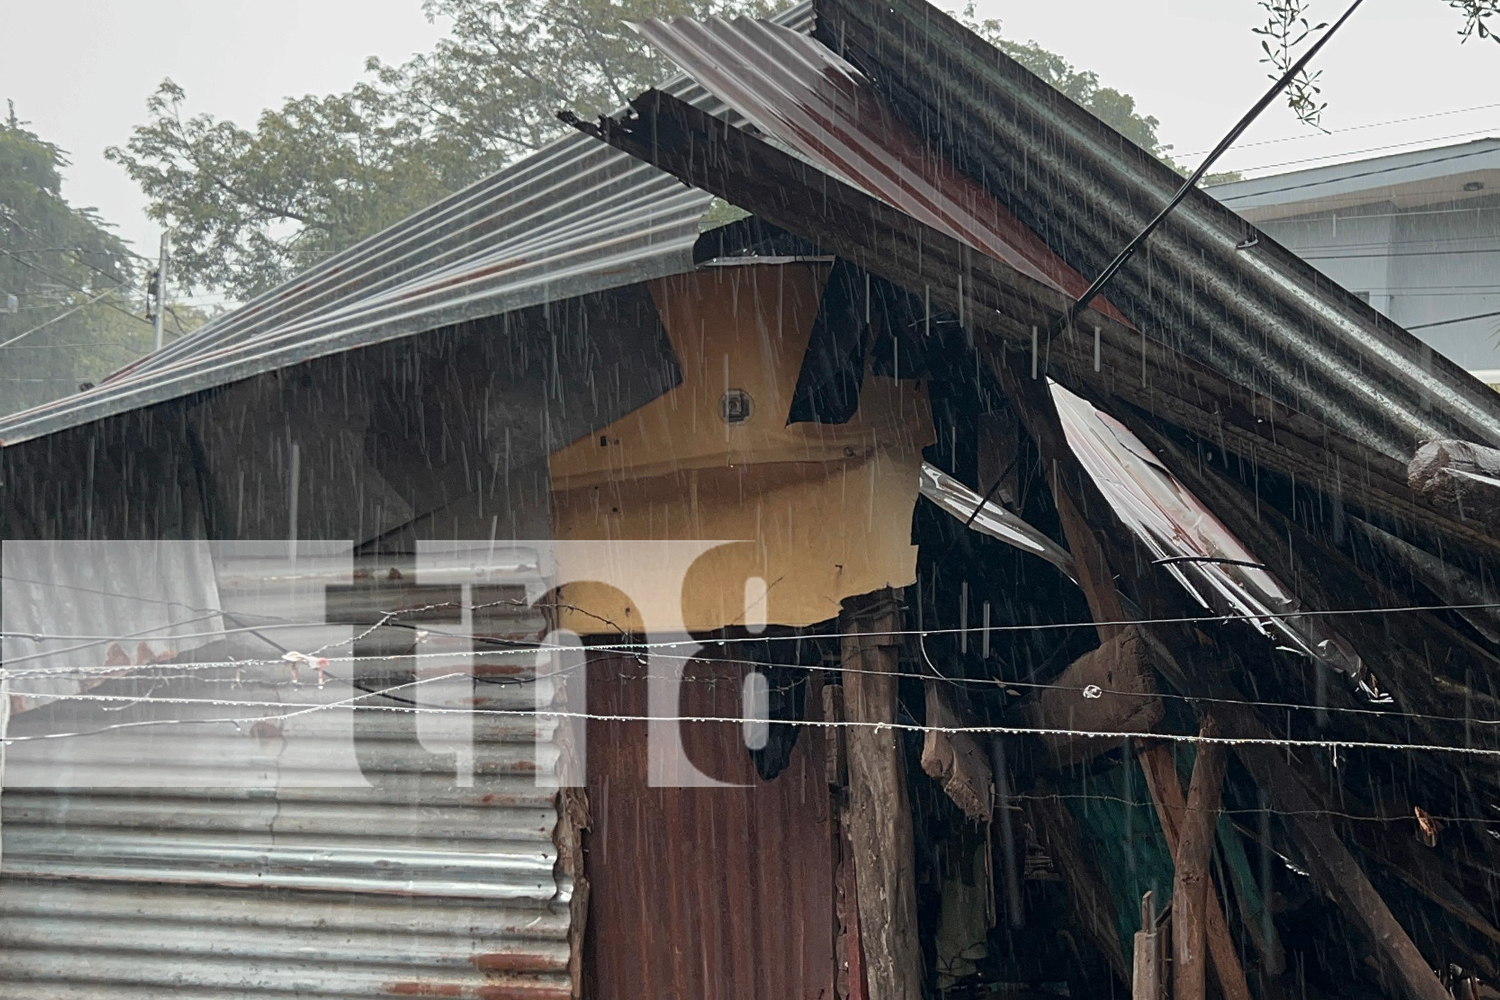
{"x":712,"y":893}
{"x":796,"y":90}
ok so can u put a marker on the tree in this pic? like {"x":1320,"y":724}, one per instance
{"x":250,"y":207}
{"x":1288,"y":26}
{"x":75,"y":315}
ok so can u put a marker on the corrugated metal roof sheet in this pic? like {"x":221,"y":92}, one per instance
{"x":1309,"y":380}
{"x":1255,"y":312}
{"x":793,"y":88}
{"x":574,"y":218}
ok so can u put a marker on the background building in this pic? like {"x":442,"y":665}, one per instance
{"x":1417,"y":235}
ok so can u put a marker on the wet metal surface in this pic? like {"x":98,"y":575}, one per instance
{"x":572,"y":218}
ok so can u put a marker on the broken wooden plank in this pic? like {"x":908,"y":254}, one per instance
{"x":1191,"y":879}
{"x":880,"y":830}
{"x":1145,"y":971}
{"x":956,"y":761}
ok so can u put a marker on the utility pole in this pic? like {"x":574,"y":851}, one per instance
{"x":161,"y":288}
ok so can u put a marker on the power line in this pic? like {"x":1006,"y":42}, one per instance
{"x":54,"y":319}
{"x":1372,"y":149}
{"x":41,"y":270}
{"x":1396,"y":253}
{"x":897,"y":726}
{"x":1456,"y":319}
{"x":1354,"y":128}
{"x":56,"y":347}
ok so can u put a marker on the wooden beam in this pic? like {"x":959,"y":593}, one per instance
{"x":1096,"y":555}
{"x":1333,"y":868}
{"x":958,"y":762}
{"x":1171,"y":810}
{"x":1121,"y":667}
{"x":880,"y":830}
{"x":1191,"y":880}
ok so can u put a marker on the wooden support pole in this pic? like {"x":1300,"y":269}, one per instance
{"x":880,"y":830}
{"x":1171,"y":810}
{"x":1095,"y":555}
{"x":1191,"y":881}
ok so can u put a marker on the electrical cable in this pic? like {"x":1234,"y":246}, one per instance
{"x":59,"y":316}
{"x":896,"y":726}
{"x":1449,"y":322}
{"x":1370,"y":149}
{"x":1374,"y":172}
{"x":1099,"y":283}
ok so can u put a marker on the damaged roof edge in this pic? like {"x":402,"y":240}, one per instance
{"x":789,"y":192}
{"x":1263,"y":316}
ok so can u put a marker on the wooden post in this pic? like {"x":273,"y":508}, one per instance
{"x":1095,"y":556}
{"x":1171,"y":809}
{"x":880,"y":829}
{"x":1191,"y":881}
{"x":1145,"y":973}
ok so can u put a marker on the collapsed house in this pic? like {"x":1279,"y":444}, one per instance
{"x":571,"y":592}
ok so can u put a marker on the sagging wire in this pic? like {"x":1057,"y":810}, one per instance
{"x":236,"y":722}
{"x":839,"y":669}
{"x":895,"y":726}
{"x":1217,"y":619}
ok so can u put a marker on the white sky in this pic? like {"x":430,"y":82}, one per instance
{"x":80,"y":70}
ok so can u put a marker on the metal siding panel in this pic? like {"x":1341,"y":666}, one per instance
{"x":415,"y":886}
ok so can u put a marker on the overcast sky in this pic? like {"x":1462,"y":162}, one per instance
{"x":80,"y":71}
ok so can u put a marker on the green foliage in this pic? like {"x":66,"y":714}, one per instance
{"x":1287,"y":28}
{"x":1477,"y":14}
{"x":76,"y":314}
{"x":250,"y":207}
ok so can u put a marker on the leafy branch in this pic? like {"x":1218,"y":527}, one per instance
{"x":1287,"y":26}
{"x":1476,"y":15}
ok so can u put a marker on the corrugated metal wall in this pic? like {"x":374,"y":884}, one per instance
{"x":296,"y":881}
